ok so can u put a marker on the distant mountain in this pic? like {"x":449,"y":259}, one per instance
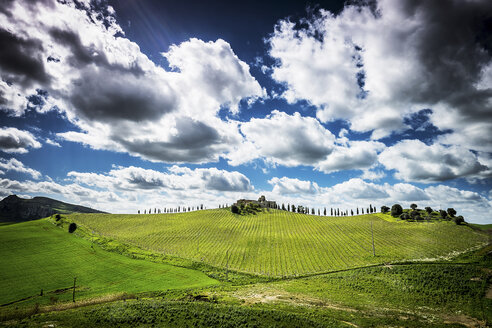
{"x":16,"y":209}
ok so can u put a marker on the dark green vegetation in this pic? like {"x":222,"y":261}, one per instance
{"x":15,"y":209}
{"x":400,"y":286}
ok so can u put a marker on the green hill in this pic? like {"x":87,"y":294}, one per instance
{"x":279,"y":243}
{"x":39,"y":255}
{"x":16,"y":209}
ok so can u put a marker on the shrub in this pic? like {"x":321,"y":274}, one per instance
{"x":459,"y":219}
{"x":384,"y":209}
{"x":451,"y":212}
{"x":58,"y":217}
{"x":72,"y":227}
{"x":396,"y":210}
{"x":404,"y":216}
{"x":234,"y":209}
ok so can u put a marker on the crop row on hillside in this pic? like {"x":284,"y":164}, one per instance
{"x":280,"y":243}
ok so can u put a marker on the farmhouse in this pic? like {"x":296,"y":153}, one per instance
{"x":261,"y":202}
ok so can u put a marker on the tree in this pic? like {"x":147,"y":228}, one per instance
{"x":324,"y":212}
{"x":138,"y":211}
{"x":396,"y":210}
{"x":352,"y":212}
{"x":362,"y":210}
{"x":72,"y":227}
{"x":451,"y":211}
{"x":357,"y":210}
{"x":384,"y":209}
{"x":293,"y":207}
{"x":404,"y":216}
{"x":331,"y":210}
{"x":428,"y":210}
{"x":443,"y":214}
{"x":283,"y":207}
{"x":370,"y":208}
{"x":413,"y":206}
{"x":459,"y":219}
{"x":234,"y":209}
{"x":312,"y":211}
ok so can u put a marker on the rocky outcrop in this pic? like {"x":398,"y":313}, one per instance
{"x":16,"y":209}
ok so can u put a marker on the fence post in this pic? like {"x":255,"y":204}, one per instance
{"x":73,"y":294}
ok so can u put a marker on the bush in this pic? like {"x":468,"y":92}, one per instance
{"x":384,"y":209}
{"x":234,"y":209}
{"x":451,"y":212}
{"x":58,"y":217}
{"x":404,"y":216}
{"x":459,"y":219}
{"x":428,"y":210}
{"x":396,"y":210}
{"x":72,"y":227}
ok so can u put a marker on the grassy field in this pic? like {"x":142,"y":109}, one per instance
{"x":279,"y":243}
{"x":408,"y":295}
{"x":39,"y":255}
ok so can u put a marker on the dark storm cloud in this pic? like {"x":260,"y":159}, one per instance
{"x":105,"y":95}
{"x":142,"y":182}
{"x":221,"y":182}
{"x":13,"y":140}
{"x":82,"y":55}
{"x":193,"y":143}
{"x":20,"y":60}
{"x":452,"y":48}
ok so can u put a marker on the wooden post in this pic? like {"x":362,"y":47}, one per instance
{"x":372,"y":234}
{"x":73,"y":295}
{"x":227,"y":264}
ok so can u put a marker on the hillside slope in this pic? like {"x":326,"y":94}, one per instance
{"x":40,"y":255}
{"x":279,"y":243}
{"x":16,"y":209}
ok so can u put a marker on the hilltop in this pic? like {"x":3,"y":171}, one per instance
{"x":16,"y":209}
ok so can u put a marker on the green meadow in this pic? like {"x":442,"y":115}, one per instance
{"x":39,"y":255}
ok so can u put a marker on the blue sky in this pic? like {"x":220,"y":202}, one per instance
{"x":125,"y":105}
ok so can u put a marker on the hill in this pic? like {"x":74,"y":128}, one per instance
{"x":279,"y":243}
{"x":323,"y":268}
{"x":16,"y":209}
{"x":40,"y":255}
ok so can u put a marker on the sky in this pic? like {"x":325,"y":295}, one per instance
{"x":129,"y":105}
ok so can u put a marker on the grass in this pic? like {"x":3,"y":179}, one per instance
{"x":39,"y":255}
{"x":279,"y":243}
{"x":42,"y":254}
{"x":407,"y":295}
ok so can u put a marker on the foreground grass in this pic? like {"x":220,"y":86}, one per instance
{"x":282,"y":244}
{"x":410,"y":295}
{"x":38,"y":255}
